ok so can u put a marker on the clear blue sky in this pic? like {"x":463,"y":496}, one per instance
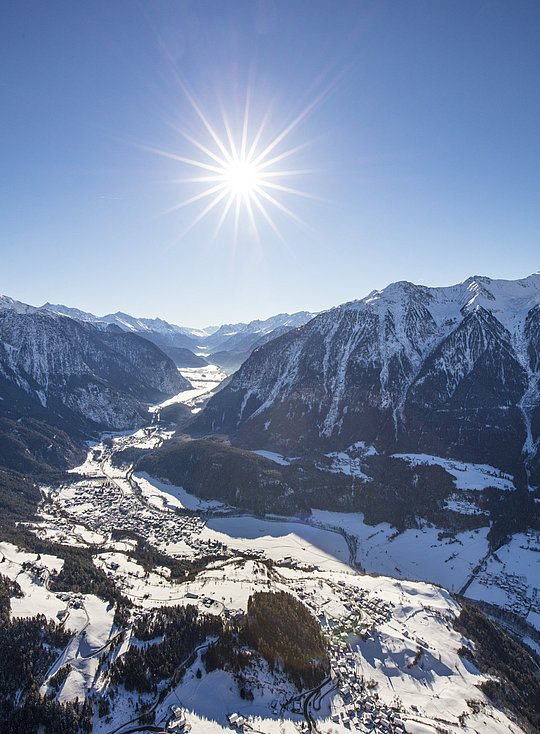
{"x":426,"y":145}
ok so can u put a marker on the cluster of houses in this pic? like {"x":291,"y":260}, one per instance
{"x":364,"y":611}
{"x":520,"y":598}
{"x":103,"y":507}
{"x":237,"y":720}
{"x":357,"y":706}
{"x":177,"y":723}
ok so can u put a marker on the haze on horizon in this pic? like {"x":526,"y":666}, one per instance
{"x":417,"y":156}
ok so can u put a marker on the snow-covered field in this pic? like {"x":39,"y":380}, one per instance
{"x":416,"y":554}
{"x":391,"y":634}
{"x":281,"y":539}
{"x":203,"y":380}
{"x":165,"y":495}
{"x":31,"y":572}
{"x":273,"y":456}
{"x":468,"y":476}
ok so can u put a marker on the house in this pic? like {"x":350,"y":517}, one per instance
{"x":177,"y":725}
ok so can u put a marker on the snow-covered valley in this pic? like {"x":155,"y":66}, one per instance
{"x":382,"y":599}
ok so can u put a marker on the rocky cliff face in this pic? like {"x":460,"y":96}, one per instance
{"x":452,"y":371}
{"x":71,"y":374}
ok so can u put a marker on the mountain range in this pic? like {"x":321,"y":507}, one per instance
{"x":227,"y":345}
{"x":451,"y":371}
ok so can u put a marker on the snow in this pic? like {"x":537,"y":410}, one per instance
{"x":211,"y":698}
{"x":342,"y":463}
{"x":467,"y":475}
{"x":83,"y":651}
{"x":276,"y":458}
{"x":510,"y":577}
{"x":464,"y":507}
{"x":6,"y":302}
{"x":32,"y":578}
{"x":281,"y":538}
{"x":203,"y":381}
{"x":166,"y":496}
{"x":508,"y":300}
{"x":415,"y":553}
{"x":147,"y":589}
{"x":367,"y":449}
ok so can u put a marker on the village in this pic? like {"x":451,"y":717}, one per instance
{"x":112,"y":501}
{"x":394,"y":666}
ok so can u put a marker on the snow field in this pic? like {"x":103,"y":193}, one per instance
{"x":415,"y":553}
{"x":167,"y":496}
{"x":467,"y":475}
{"x":281,"y":539}
{"x":203,"y":381}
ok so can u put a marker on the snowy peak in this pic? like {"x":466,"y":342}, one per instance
{"x":12,"y":305}
{"x":508,"y":300}
{"x":72,"y":313}
{"x":261,"y":327}
{"x":123,"y":320}
{"x":506,"y":297}
{"x":449,"y":370}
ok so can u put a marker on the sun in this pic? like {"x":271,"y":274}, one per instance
{"x":239,"y":174}
{"x":241,"y":177}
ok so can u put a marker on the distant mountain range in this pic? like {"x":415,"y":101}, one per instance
{"x":450,"y":371}
{"x":231,"y":344}
{"x":176,"y":341}
{"x":227,"y":346}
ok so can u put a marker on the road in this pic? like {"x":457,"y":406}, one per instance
{"x":183,"y":665}
{"x":311,"y":696}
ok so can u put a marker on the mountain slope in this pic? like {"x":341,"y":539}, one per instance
{"x":168,"y":337}
{"x":74,"y":376}
{"x":452,"y":371}
{"x":227,"y":346}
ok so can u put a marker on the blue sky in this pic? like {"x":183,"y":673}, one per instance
{"x":424,"y":145}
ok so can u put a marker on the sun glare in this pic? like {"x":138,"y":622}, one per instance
{"x":241,"y":177}
{"x":240,"y":174}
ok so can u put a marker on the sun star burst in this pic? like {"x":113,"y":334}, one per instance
{"x":240,"y":175}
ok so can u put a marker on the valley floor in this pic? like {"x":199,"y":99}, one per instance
{"x":382,"y":599}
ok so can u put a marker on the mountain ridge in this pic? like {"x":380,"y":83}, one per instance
{"x":227,"y":345}
{"x":68,"y":373}
{"x":360,"y":371}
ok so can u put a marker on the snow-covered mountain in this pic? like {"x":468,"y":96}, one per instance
{"x":174,"y":340}
{"x":231,"y":344}
{"x":227,"y":346}
{"x":231,"y":334}
{"x":452,"y":371}
{"x":68,"y":373}
{"x":125,"y":321}
{"x":7,"y":303}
